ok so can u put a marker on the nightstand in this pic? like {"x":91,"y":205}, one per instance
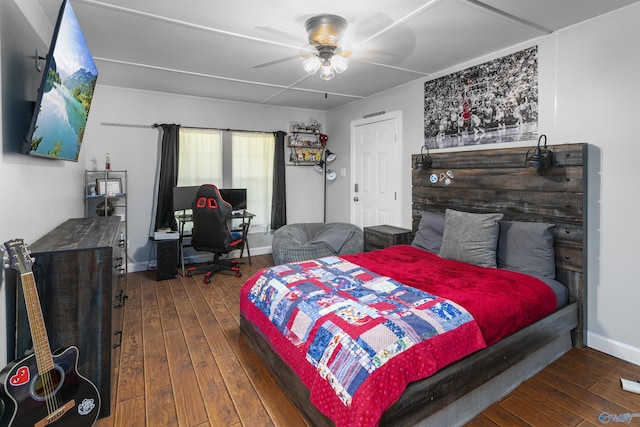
{"x":381,"y":236}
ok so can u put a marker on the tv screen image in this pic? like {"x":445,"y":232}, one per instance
{"x":66,"y":91}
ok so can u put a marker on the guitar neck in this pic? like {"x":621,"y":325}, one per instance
{"x":41,"y":346}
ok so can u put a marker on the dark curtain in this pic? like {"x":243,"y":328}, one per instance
{"x":165,"y":217}
{"x":279,"y":198}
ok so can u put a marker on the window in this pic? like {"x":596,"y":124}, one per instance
{"x":252,"y":168}
{"x":200,"y":158}
{"x":231,"y":159}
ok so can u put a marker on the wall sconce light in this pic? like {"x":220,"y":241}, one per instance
{"x":423,"y":162}
{"x":541,"y":157}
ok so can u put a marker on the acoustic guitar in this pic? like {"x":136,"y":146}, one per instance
{"x":43,"y":388}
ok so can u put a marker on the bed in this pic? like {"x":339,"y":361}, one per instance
{"x":482,"y":184}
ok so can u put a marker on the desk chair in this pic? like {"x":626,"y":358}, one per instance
{"x":211,"y":232}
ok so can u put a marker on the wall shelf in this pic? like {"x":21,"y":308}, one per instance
{"x":306,"y":148}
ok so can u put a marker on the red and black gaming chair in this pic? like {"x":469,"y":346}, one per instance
{"x":211,"y":232}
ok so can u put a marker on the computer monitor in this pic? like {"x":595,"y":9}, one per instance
{"x":183,"y":197}
{"x":236,"y":197}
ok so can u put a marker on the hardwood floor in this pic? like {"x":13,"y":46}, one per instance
{"x":184,"y":363}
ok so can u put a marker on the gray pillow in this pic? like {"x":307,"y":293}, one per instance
{"x":429,"y":234}
{"x":470,"y":237}
{"x":527,"y":247}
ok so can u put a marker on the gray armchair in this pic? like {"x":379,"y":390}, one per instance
{"x":300,"y":242}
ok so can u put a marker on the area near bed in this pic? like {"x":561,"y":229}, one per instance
{"x":356,"y":335}
{"x":528,"y":220}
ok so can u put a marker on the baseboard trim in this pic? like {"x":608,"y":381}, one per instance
{"x":614,"y":348}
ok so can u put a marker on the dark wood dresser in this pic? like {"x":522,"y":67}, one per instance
{"x":381,"y":236}
{"x":79,"y":273}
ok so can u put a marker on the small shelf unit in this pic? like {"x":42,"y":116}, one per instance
{"x":106,"y":195}
{"x":306,"y":148}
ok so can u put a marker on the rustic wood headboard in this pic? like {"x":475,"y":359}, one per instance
{"x":498,"y":181}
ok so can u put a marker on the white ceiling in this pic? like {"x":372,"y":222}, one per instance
{"x":210,"y":48}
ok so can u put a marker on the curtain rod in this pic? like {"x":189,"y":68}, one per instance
{"x":228,"y":130}
{"x":129,"y":125}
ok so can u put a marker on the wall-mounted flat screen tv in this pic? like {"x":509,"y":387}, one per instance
{"x":66,"y":91}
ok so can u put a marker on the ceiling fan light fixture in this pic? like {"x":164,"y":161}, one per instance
{"x":340,"y":63}
{"x":312,"y":64}
{"x":327,"y":73}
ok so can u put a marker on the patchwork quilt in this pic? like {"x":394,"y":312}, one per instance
{"x":501,"y":301}
{"x":355,"y":338}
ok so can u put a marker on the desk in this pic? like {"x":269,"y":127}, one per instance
{"x":243,"y":227}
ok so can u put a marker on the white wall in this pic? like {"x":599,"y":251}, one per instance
{"x":588,"y":93}
{"x":597,"y":102}
{"x":305,"y":192}
{"x":120,"y":124}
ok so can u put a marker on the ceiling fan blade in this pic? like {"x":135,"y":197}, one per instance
{"x":282,"y":34}
{"x":345,"y":51}
{"x":379,"y":56}
{"x":371,"y":43}
{"x":277,"y":61}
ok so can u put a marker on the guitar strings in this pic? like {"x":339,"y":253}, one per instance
{"x":52,"y":399}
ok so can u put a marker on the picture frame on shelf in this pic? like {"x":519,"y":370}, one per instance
{"x":110,"y":186}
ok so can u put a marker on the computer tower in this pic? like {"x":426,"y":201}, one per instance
{"x":167,"y":265}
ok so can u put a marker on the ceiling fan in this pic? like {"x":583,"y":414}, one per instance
{"x":324,"y":34}
{"x":326,"y":51}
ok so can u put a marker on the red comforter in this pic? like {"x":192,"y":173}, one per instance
{"x":502,"y":302}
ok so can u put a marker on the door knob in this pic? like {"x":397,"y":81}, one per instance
{"x":355,"y":199}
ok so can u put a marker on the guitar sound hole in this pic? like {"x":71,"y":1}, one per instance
{"x":46,"y":385}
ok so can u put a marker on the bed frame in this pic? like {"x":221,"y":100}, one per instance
{"x":486,"y":181}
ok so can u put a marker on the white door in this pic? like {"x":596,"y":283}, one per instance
{"x":375,"y":182}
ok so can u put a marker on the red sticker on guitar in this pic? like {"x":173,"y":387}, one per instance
{"x":21,"y":377}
